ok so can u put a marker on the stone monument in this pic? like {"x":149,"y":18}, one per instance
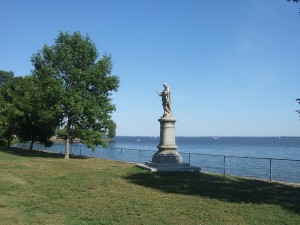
{"x":167,"y":158}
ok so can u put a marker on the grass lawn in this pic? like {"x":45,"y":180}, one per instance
{"x":43,"y":188}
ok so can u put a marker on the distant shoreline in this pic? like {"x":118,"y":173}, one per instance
{"x":208,"y":136}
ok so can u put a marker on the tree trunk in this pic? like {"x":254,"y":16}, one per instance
{"x":31,"y":145}
{"x":67,"y":153}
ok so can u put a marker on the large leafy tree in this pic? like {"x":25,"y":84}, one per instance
{"x":31,"y":109}
{"x":87,"y":86}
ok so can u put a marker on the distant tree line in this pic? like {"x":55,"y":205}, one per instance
{"x":69,"y":90}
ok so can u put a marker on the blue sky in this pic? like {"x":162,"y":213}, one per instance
{"x":232,"y":66}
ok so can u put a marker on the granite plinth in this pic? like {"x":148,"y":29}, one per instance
{"x":167,"y":156}
{"x":169,"y":167}
{"x":167,"y":159}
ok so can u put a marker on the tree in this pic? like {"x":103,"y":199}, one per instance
{"x":39,"y":102}
{"x":8,"y":114}
{"x":31,"y":109}
{"x":87,"y":86}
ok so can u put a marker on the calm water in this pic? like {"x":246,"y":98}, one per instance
{"x":262,"y":147}
{"x":240,"y":156}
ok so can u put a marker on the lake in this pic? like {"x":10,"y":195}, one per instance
{"x":266,"y":147}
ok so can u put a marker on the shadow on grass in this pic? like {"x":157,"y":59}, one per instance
{"x":36,"y":153}
{"x":223,"y":188}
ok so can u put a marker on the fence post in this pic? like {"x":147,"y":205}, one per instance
{"x":121,"y":154}
{"x":140,"y":160}
{"x":270,"y":169}
{"x":80,"y":150}
{"x":189,"y":158}
{"x":224,"y":165}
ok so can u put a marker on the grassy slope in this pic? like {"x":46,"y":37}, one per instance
{"x":40,"y":188}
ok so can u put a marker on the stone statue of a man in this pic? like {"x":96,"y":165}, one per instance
{"x":166,"y":100}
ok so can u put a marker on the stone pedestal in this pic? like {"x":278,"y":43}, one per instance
{"x":167,"y":148}
{"x":167,"y":158}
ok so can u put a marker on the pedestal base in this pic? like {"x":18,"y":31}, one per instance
{"x":169,"y":167}
{"x":167,"y":156}
{"x":167,"y":159}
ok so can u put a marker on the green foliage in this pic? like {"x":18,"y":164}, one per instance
{"x":112,"y":130}
{"x":5,"y":76}
{"x":6,"y":135}
{"x":87,"y":86}
{"x":31,"y":108}
{"x":61,"y":133}
{"x":9,"y":114}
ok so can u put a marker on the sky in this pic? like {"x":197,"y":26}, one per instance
{"x":232,"y":66}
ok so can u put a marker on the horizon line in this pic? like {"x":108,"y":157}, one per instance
{"x":219,"y":136}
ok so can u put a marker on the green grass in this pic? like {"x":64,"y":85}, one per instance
{"x":43,"y":188}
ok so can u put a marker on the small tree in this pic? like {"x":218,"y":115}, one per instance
{"x":39,"y":102}
{"x":31,"y":109}
{"x":87,"y":86}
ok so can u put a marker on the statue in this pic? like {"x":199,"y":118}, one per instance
{"x":167,"y":158}
{"x":166,"y":100}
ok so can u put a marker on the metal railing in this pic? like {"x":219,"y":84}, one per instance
{"x":287,"y":170}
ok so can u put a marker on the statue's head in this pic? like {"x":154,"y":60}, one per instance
{"x":165,"y":85}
